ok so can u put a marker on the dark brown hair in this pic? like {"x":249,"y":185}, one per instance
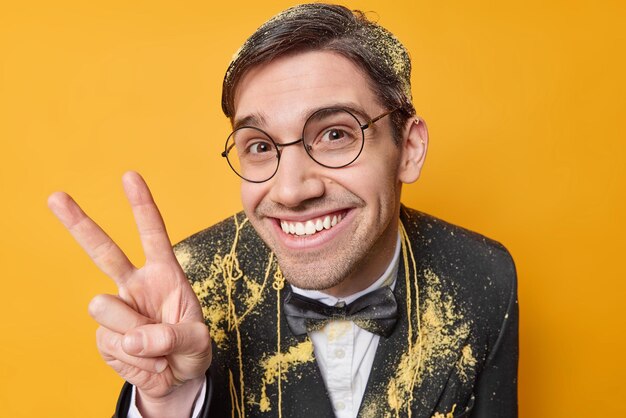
{"x":318,"y":26}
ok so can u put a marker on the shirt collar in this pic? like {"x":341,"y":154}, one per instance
{"x":388,"y":278}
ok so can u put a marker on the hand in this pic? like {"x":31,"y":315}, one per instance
{"x":152,"y":333}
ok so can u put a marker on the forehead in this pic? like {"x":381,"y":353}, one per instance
{"x":294,"y":86}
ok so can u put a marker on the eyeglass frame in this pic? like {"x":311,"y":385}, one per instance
{"x":278,"y":146}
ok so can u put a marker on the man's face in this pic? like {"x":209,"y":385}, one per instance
{"x":364,"y":196}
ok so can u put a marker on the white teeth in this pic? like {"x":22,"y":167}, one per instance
{"x":310,"y":227}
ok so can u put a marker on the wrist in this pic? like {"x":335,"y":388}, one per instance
{"x":176,"y":404}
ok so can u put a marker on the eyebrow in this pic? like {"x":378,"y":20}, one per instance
{"x":353,"y":108}
{"x":259,"y":120}
{"x":249,"y":120}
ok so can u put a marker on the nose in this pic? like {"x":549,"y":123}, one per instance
{"x":298,"y":178}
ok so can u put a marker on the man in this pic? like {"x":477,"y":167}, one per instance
{"x":327,"y":297}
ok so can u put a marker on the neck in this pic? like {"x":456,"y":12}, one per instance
{"x":357,"y":282}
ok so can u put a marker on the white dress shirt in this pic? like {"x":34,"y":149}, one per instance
{"x":133,"y":412}
{"x":344,"y":352}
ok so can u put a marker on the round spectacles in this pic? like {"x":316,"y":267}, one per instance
{"x":332,"y":137}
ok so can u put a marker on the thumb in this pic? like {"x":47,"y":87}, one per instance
{"x":157,"y":340}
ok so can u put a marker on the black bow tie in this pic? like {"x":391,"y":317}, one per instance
{"x":376,"y":312}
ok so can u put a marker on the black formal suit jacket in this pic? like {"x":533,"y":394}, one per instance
{"x":453,"y":352}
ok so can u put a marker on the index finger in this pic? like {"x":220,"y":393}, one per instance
{"x":97,"y":244}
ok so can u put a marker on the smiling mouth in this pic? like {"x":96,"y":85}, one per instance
{"x":312,"y":226}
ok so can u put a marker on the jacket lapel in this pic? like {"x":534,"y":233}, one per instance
{"x":412,"y":366}
{"x":303,"y":391}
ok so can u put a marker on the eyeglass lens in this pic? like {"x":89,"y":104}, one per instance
{"x":331,"y":137}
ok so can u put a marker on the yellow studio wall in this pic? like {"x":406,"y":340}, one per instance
{"x":525,"y":102}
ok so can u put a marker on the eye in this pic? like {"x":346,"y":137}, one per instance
{"x":333,"y":134}
{"x":331,"y":130}
{"x":259,"y":147}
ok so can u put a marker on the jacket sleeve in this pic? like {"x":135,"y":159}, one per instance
{"x":123,"y":402}
{"x":496,"y":389}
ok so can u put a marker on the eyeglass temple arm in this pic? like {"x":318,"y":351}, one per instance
{"x":377,"y":118}
{"x":226,"y":151}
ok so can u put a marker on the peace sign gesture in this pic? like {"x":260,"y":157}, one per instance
{"x":152,"y":333}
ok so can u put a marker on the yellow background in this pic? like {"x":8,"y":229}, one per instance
{"x":525,"y":102}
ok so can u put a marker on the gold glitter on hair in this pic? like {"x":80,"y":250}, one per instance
{"x":325,"y":27}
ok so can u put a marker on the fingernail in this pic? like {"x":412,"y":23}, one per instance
{"x":133,"y":343}
{"x":160,"y":365}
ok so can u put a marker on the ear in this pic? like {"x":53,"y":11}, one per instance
{"x":414,"y":146}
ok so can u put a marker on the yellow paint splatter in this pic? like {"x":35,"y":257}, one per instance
{"x":278,"y":285}
{"x":400,"y":388}
{"x":276,"y":366}
{"x":436,"y":327}
{"x":466,"y":363}
{"x":448,"y":415}
{"x":440,"y":332}
{"x":298,"y":354}
{"x":218,"y":293}
{"x":442,"y":335}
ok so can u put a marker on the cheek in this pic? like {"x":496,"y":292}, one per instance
{"x":374,"y":174}
{"x":383,"y":172}
{"x":383,"y":158}
{"x":251,"y":195}
{"x":372,"y":182}
{"x":384,"y":184}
